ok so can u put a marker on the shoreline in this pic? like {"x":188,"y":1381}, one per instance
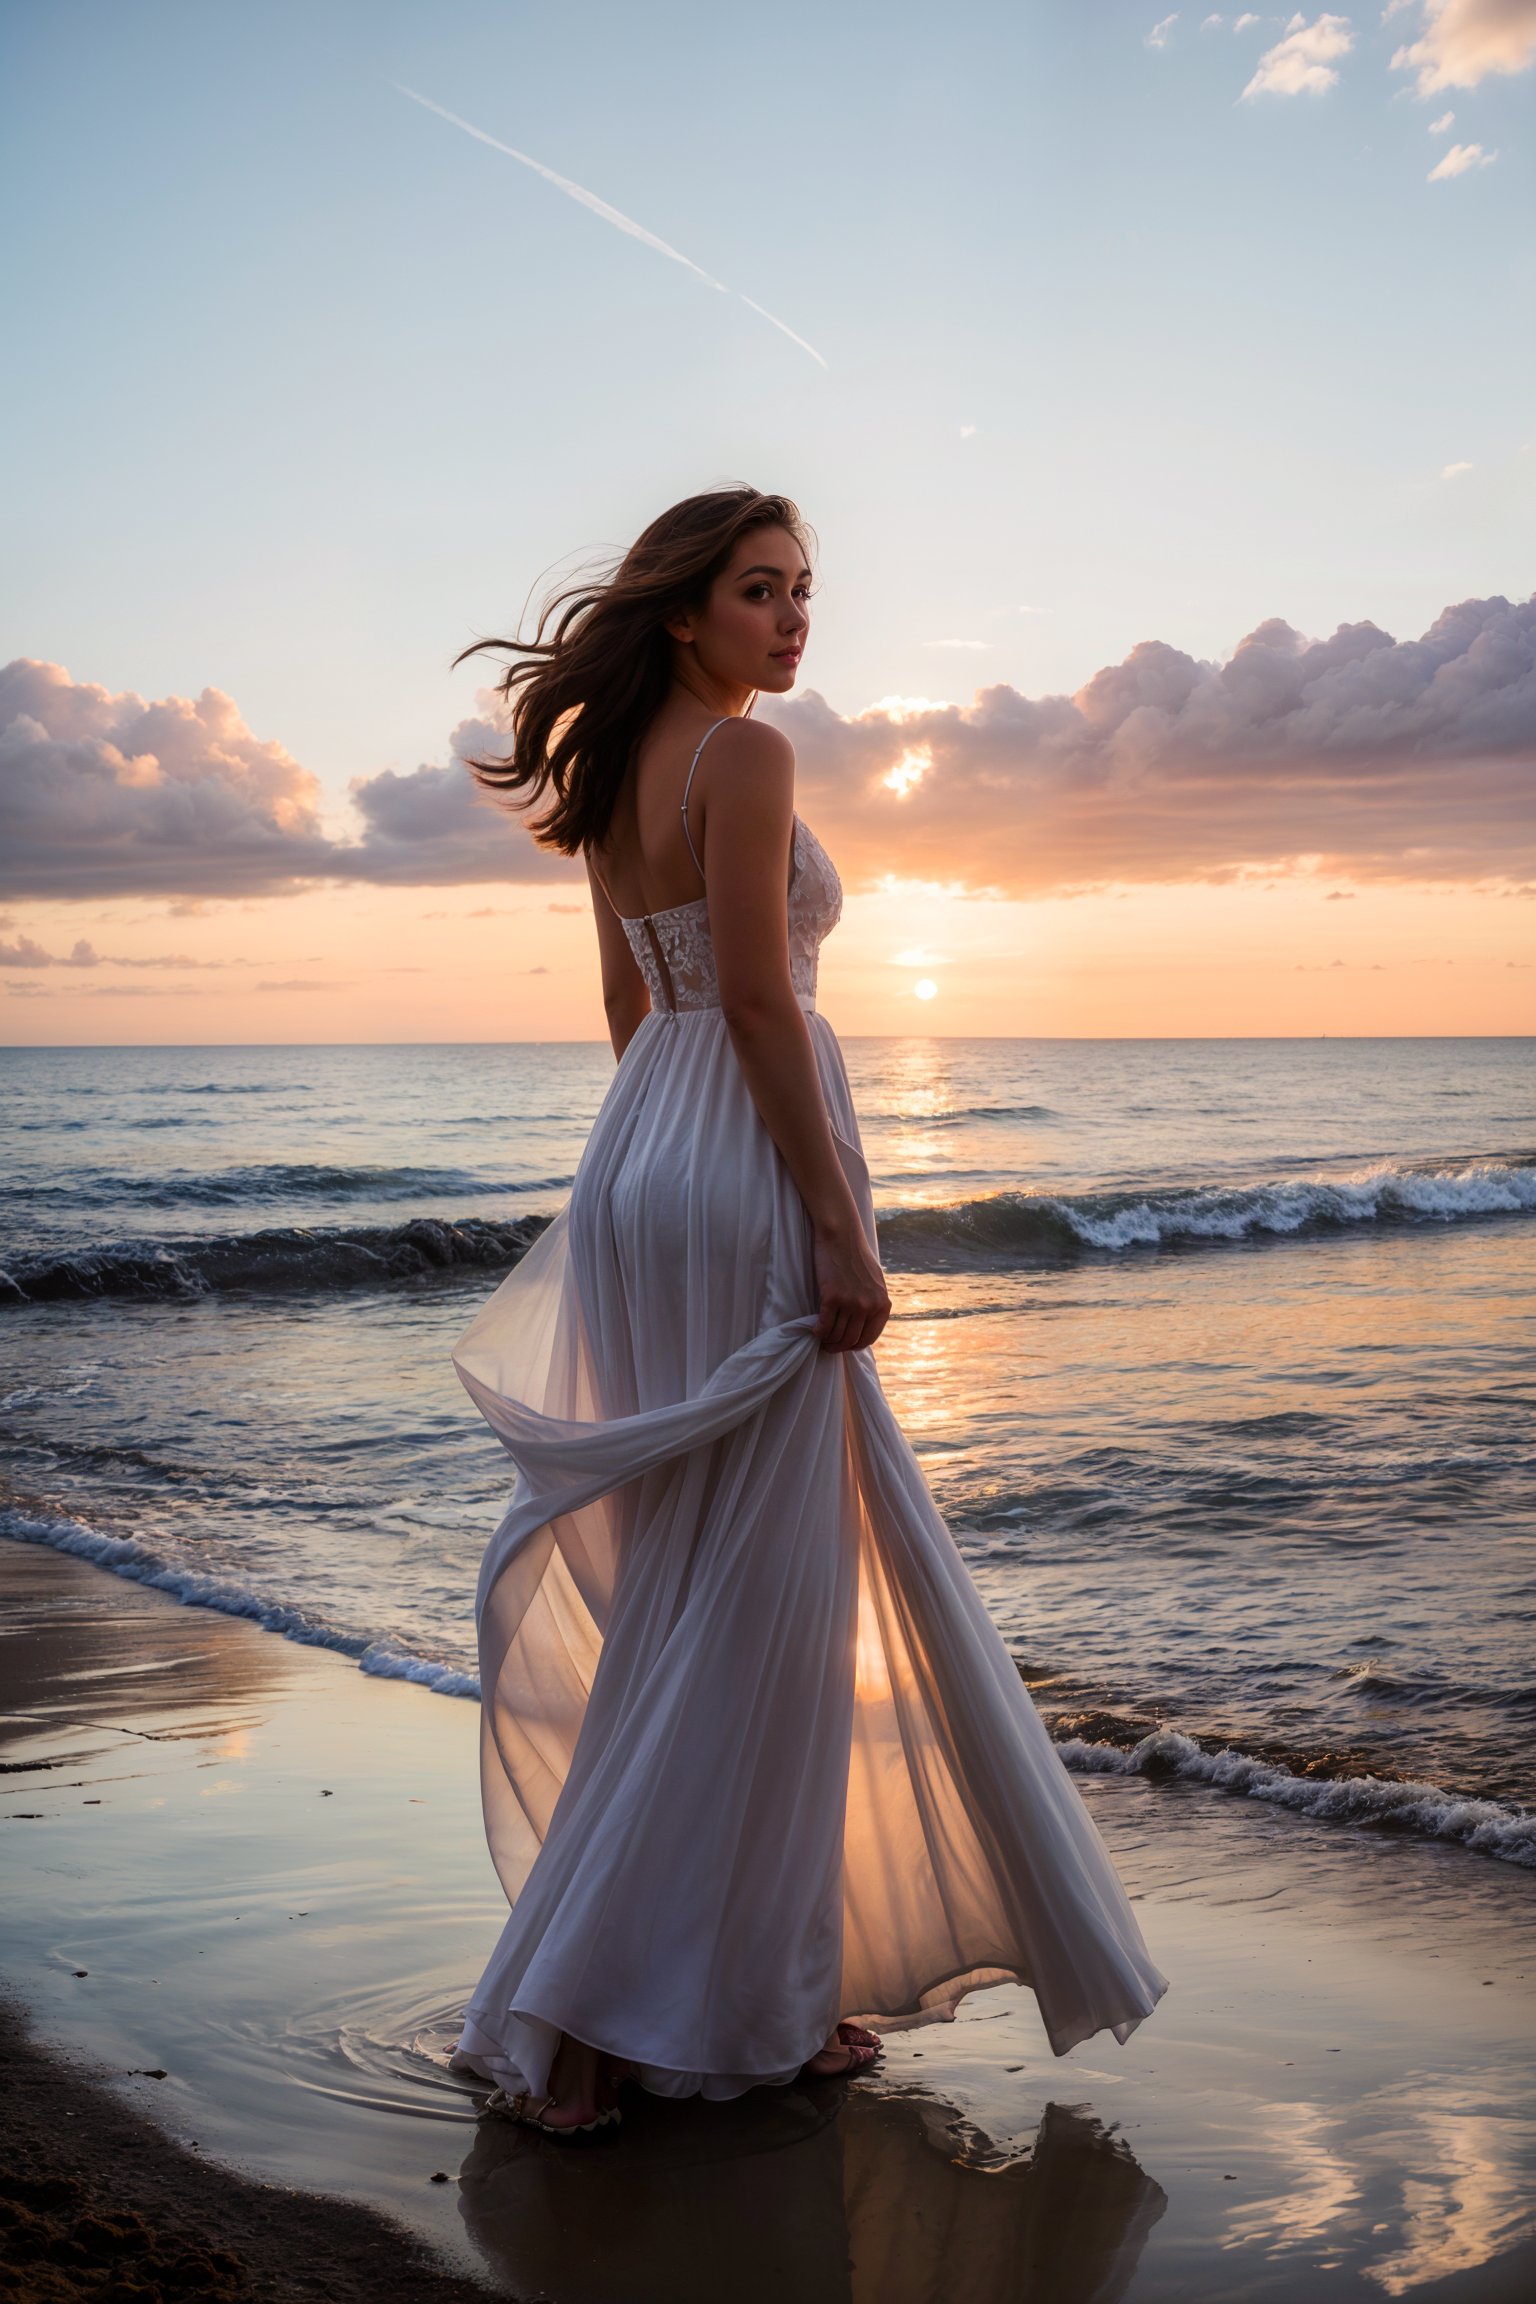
{"x":1332,"y":1787}
{"x":270,"y":1868}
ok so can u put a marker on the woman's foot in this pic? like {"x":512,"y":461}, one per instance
{"x":844,"y":2057}
{"x":543,"y":2113}
{"x":583,"y":2091}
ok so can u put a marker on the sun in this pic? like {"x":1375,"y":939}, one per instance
{"x":925,"y":988}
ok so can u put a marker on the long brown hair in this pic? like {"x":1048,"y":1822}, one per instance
{"x":588,"y":684}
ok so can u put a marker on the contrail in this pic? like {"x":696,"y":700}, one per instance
{"x":763,"y":313}
{"x":610,"y":215}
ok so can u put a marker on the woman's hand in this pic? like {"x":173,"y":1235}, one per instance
{"x":855,"y":1303}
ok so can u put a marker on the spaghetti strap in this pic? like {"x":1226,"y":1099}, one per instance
{"x":688,"y":787}
{"x":603,"y":885}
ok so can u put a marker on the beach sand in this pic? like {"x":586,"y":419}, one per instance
{"x":247,"y":1867}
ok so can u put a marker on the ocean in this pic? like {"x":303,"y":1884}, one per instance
{"x":1218,"y":1355}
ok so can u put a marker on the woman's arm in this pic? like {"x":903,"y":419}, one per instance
{"x":747,"y":811}
{"x":626,"y":1001}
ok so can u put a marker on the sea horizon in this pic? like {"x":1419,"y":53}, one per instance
{"x":600,"y":1040}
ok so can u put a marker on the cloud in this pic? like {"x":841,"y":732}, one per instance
{"x":431,"y":828}
{"x":1447,"y":120}
{"x":146,"y":991}
{"x":1361,"y":755}
{"x":25,"y":954}
{"x":1302,"y":63}
{"x":1466,"y":41}
{"x":302,"y":984}
{"x":1158,"y":36}
{"x":175,"y":960}
{"x":1241,"y":23}
{"x":103,"y":795}
{"x":1400,"y":759}
{"x":1458,"y":160}
{"x":1454,"y":471}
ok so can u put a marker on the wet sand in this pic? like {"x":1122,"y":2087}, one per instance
{"x":96,"y":2201}
{"x":247,"y":1866}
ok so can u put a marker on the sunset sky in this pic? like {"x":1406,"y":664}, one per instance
{"x":1158,"y":388}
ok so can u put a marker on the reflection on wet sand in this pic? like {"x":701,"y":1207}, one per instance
{"x":871,"y":2199}
{"x":1418,"y":2181}
{"x":92,"y":1664}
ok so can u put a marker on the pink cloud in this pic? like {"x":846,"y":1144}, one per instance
{"x":1465,"y":41}
{"x":1410,"y":759}
{"x":104,"y":795}
{"x":1406,"y":759}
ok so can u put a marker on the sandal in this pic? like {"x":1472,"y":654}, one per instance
{"x":859,"y":2036}
{"x":525,"y":2108}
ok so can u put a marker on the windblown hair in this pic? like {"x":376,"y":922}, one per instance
{"x":586,"y":687}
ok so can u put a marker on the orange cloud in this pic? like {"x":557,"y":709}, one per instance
{"x":1359,"y":755}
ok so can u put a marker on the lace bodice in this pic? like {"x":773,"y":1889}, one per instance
{"x":676,"y":955}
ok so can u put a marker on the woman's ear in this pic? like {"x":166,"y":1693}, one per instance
{"x":680,"y":627}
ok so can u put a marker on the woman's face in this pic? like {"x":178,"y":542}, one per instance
{"x":752,"y":629}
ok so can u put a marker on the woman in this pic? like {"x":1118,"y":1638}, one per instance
{"x":756,"y":1764}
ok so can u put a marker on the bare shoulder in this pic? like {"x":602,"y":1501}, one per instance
{"x":750,"y":744}
{"x":747,"y":760}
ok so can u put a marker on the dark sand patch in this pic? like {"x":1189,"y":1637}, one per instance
{"x":97,"y":2202}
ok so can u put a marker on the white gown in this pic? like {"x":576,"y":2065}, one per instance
{"x":754,"y":1757}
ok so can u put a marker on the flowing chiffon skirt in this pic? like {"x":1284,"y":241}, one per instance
{"x":754,"y":1756}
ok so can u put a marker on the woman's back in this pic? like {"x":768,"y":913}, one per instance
{"x":650,"y":859}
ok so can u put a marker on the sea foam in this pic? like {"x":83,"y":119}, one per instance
{"x":1020,"y":1227}
{"x":1422,"y":1809}
{"x":125,"y":1556}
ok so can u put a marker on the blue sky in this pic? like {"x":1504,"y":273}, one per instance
{"x":1140,"y":332}
{"x":306,"y":386}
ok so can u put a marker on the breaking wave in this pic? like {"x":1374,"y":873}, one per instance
{"x":1425,"y":1810}
{"x":1026,"y":1227}
{"x":364,"y":1256}
{"x":1006,"y":1229}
